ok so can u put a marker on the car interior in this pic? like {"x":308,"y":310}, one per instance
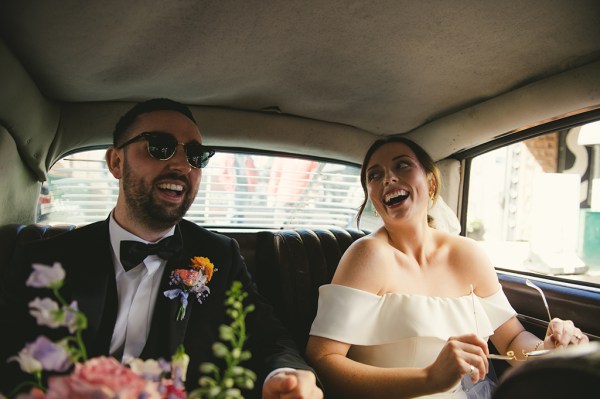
{"x":505,"y":96}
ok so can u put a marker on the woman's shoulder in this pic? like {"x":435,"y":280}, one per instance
{"x":376,"y":239}
{"x":363,"y":265}
{"x":369,"y":250}
{"x":470,"y":260}
{"x":459,"y":245}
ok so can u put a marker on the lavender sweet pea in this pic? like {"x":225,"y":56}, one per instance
{"x":43,"y":354}
{"x":48,"y":313}
{"x":46,"y":276}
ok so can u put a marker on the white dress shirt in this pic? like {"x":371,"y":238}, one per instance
{"x":137,"y":290}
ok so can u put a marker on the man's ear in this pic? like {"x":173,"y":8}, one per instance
{"x":114,"y":161}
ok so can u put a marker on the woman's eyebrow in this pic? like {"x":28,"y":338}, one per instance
{"x":372,"y":167}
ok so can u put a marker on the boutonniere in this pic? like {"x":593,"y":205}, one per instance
{"x":193,"y":280}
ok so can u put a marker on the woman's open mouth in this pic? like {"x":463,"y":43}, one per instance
{"x":395,"y":197}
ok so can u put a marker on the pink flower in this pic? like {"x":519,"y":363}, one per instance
{"x":99,"y":378}
{"x":192,"y":281}
{"x":34,"y":393}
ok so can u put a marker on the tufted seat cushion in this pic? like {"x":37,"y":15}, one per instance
{"x":291,"y":265}
{"x":14,"y":235}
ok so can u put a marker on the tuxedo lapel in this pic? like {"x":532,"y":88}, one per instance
{"x":94,"y":287}
{"x":166,"y":333}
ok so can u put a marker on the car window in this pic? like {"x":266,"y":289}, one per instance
{"x":535,"y":204}
{"x":237,"y":191}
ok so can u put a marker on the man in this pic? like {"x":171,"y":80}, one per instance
{"x":157,"y":156}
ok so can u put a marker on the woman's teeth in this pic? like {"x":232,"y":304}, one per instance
{"x":395,"y":197}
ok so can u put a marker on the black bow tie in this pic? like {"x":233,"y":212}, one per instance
{"x":134,"y":252}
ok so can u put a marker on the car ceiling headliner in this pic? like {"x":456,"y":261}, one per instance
{"x":385,"y":67}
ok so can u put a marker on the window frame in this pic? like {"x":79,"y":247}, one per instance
{"x":465,"y":157}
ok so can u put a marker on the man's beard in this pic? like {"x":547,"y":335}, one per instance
{"x":142,"y":206}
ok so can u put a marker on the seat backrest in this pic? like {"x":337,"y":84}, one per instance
{"x":291,"y":265}
{"x":14,"y":235}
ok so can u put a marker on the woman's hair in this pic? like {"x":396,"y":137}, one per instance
{"x":422,"y":156}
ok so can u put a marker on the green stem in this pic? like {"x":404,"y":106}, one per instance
{"x":58,"y":296}
{"x":36,"y":384}
{"x":82,"y":350}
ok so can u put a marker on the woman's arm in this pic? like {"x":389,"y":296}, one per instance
{"x":346,"y":378}
{"x":367,"y":265}
{"x":511,"y":335}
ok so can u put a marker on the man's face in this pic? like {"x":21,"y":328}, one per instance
{"x":157,"y":194}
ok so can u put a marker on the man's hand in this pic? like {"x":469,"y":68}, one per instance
{"x":299,"y":384}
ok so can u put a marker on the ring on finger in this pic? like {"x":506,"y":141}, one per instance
{"x":471,"y":369}
{"x":578,"y":336}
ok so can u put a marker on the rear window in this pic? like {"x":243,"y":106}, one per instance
{"x":237,"y":191}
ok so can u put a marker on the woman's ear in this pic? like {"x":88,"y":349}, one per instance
{"x":432,"y":187}
{"x":114,"y":161}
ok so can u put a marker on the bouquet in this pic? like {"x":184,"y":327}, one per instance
{"x":105,"y":377}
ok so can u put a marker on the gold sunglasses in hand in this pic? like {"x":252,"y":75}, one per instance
{"x":540,"y":352}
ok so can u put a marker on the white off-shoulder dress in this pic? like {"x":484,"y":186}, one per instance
{"x":402,"y":330}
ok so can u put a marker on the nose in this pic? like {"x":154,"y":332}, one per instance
{"x":179,"y":160}
{"x":390,"y":177}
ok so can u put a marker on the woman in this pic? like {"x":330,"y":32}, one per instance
{"x":410,"y":308}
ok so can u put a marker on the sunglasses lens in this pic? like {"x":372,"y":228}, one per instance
{"x":162,"y":146}
{"x":198,"y":155}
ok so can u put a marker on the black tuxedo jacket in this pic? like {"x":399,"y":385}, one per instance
{"x":90,"y":280}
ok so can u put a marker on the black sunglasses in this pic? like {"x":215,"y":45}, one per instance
{"x":162,"y":146}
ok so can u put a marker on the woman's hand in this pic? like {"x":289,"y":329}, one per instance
{"x":465,"y":354}
{"x":561,"y":333}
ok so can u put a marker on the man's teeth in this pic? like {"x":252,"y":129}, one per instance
{"x":172,"y":187}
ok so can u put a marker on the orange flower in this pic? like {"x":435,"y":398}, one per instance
{"x":204,"y":264}
{"x":189,"y":277}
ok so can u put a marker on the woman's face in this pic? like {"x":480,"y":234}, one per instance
{"x":397,"y":184}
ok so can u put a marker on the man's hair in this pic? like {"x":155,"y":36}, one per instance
{"x":156,"y":104}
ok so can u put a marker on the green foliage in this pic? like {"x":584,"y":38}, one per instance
{"x":229,"y":383}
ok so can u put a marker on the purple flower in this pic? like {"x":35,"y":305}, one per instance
{"x":44,"y":354}
{"x":46,"y":312}
{"x":71,"y":321}
{"x":46,"y":276}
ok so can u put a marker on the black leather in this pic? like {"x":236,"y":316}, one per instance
{"x":13,"y":235}
{"x":288,"y":266}
{"x":291,"y":265}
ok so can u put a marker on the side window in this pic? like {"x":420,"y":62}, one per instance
{"x":535,"y":205}
{"x":237,"y":191}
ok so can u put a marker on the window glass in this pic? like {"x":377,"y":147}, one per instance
{"x":237,"y":191}
{"x":535,"y":205}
